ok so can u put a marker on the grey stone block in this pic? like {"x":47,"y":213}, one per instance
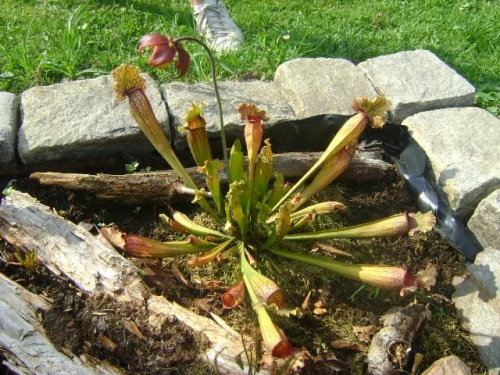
{"x":462,"y":145}
{"x":416,"y":81}
{"x":485,"y":273}
{"x":451,"y":365}
{"x":485,"y":222}
{"x":82,"y":119}
{"x":179,"y":97}
{"x":319,"y":86}
{"x":481,"y":319}
{"x":9,"y":110}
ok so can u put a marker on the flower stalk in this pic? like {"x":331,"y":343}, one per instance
{"x":216,"y":90}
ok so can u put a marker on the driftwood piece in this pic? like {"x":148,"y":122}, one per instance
{"x":68,"y":249}
{"x":27,"y":348}
{"x":139,"y":188}
{"x":390,"y":346}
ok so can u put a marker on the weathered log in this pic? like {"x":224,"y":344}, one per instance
{"x":139,"y":188}
{"x":27,"y":350}
{"x":68,"y":249}
{"x":390,"y":347}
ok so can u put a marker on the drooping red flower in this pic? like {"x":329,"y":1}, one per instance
{"x":164,"y":51}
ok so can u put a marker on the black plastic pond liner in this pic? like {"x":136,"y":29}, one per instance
{"x":411,"y":163}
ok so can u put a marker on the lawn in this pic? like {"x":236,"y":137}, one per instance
{"x":43,"y":42}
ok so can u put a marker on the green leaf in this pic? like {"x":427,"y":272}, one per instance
{"x":236,"y":162}
{"x":194,"y":228}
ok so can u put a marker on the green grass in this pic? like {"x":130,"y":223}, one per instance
{"x":45,"y":41}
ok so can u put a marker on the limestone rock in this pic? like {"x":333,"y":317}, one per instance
{"x":450,"y":365}
{"x":82,"y":119}
{"x":416,"y":81}
{"x":462,"y":145}
{"x":179,"y":97}
{"x":9,"y":109}
{"x":485,"y":222}
{"x":319,"y":86}
{"x":481,"y":319}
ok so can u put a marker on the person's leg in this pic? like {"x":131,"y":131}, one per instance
{"x":216,"y":26}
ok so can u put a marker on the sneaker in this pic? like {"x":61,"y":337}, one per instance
{"x":216,"y":26}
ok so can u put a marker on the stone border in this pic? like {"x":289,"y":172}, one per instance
{"x":81,"y":119}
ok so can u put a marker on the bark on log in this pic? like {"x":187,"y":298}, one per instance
{"x":68,"y":249}
{"x":139,"y":188}
{"x":391,"y":345}
{"x":27,"y":348}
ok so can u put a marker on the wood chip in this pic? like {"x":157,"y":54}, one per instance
{"x":348,"y":345}
{"x":318,"y":308}
{"x":108,"y":343}
{"x":319,"y":311}
{"x":132,"y":328}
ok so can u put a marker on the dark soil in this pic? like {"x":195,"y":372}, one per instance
{"x":92,"y":325}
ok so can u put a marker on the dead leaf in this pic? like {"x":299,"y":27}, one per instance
{"x":365,"y":333}
{"x":348,"y":345}
{"x":132,"y":328}
{"x":285,"y":312}
{"x":99,"y":313}
{"x":332,"y":250}
{"x":213,"y":285}
{"x":307,"y":300}
{"x":178,"y":274}
{"x":204,"y":304}
{"x":223,"y":324}
{"x":300,"y":360}
{"x":419,"y":357}
{"x":292,"y":364}
{"x":114,"y":236}
{"x":86,"y":226}
{"x":427,"y":278}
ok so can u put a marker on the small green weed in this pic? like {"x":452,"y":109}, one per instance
{"x":27,"y":260}
{"x":488,"y":97}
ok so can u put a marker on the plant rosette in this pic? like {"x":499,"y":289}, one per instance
{"x":259,"y":212}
